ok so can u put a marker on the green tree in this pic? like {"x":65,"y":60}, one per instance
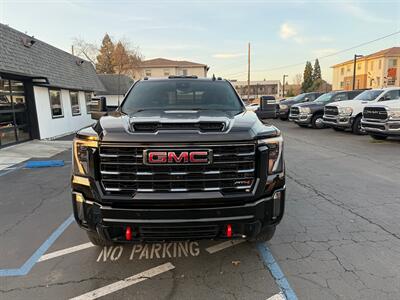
{"x":307,"y":78}
{"x":105,"y":63}
{"x":317,"y":71}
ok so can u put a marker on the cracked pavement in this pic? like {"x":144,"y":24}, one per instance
{"x":339,"y":238}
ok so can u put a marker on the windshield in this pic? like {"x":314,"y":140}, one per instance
{"x":368,"y":95}
{"x":324,"y":98}
{"x":181,"y":95}
{"x":298,"y":98}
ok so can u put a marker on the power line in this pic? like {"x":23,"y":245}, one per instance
{"x":321,"y":57}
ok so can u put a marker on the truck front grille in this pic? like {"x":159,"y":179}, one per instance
{"x":375,"y":113}
{"x":294,"y":111}
{"x":122,"y":170}
{"x":331,"y":111}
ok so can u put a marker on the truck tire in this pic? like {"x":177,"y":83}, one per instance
{"x":265,"y":234}
{"x":379,"y":137}
{"x":283,"y":118}
{"x":317,"y":122}
{"x":357,"y":126}
{"x":96,"y":240}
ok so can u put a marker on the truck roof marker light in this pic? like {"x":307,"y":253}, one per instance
{"x":229,"y":230}
{"x":128,"y":233}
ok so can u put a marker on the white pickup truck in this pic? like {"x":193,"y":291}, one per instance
{"x":382,"y":120}
{"x":348,"y":114}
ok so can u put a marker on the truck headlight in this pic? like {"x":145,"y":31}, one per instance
{"x":283,"y":106}
{"x":81,"y":150}
{"x":275,"y":149}
{"x":394,"y":114}
{"x":345,"y":111}
{"x":304,"y":110}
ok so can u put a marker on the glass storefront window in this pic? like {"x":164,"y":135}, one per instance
{"x":17,"y":87}
{"x":88,"y":99}
{"x":14,"y":125}
{"x":75,"y":107}
{"x":55,"y":104}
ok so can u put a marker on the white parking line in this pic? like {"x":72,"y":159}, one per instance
{"x":65,"y":251}
{"x":116,"y":286}
{"x":276,"y":297}
{"x":223,"y":246}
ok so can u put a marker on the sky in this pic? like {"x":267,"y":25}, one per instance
{"x":283,"y":34}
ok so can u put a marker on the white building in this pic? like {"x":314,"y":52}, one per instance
{"x":116,"y":87}
{"x":44,"y":91}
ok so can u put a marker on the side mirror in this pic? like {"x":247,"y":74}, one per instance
{"x":307,"y":99}
{"x":98,"y":107}
{"x":385,"y":98}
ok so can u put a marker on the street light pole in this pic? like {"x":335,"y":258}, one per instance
{"x":283,"y":87}
{"x":354,"y":70}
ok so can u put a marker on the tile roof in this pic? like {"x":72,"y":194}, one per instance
{"x":162,"y":62}
{"x":43,"y":60}
{"x":115,"y":84}
{"x":394,"y":51}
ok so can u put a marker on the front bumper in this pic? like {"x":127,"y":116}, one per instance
{"x":177,"y":216}
{"x":381,"y":127}
{"x":338,"y":121}
{"x":283,"y":113}
{"x":301,"y":118}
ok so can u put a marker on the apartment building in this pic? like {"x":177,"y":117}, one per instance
{"x":379,"y":69}
{"x":162,"y":67}
{"x":258,"y":88}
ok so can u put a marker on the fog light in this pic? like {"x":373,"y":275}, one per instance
{"x":276,"y":198}
{"x":79,"y":199}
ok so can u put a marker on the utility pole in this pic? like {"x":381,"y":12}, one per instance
{"x":283,"y":87}
{"x":248,"y":72}
{"x":354,"y":70}
{"x":72,"y":50}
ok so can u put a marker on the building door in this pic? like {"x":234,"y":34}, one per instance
{"x":14,"y":124}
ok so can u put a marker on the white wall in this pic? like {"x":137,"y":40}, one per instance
{"x":49,"y":127}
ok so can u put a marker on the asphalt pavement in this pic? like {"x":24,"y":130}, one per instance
{"x":339,"y":238}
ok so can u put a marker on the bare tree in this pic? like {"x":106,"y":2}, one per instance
{"x":298,"y":79}
{"x":85,"y":50}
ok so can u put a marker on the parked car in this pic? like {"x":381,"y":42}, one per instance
{"x":347,"y":114}
{"x":267,"y":109}
{"x":285,"y":105}
{"x":311,"y":113}
{"x":382,"y":120}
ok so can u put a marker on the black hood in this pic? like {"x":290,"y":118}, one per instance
{"x":181,"y":126}
{"x":314,"y":106}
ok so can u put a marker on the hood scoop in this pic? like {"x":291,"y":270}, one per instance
{"x":158,"y":126}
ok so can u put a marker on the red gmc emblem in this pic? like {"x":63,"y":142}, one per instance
{"x":177,"y":157}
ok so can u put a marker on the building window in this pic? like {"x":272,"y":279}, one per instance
{"x":147,"y":72}
{"x":358,"y":66}
{"x":380,"y":64}
{"x":184,"y":72}
{"x":56,"y":104}
{"x":378,"y":81}
{"x":75,"y":107}
{"x":341,"y":71}
{"x":348,"y":69}
{"x":371,"y":65}
{"x":166,"y":72}
{"x":392,"y":63}
{"x":341,"y":84}
{"x":88,"y":99}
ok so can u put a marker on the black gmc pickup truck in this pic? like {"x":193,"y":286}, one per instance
{"x":180,"y":159}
